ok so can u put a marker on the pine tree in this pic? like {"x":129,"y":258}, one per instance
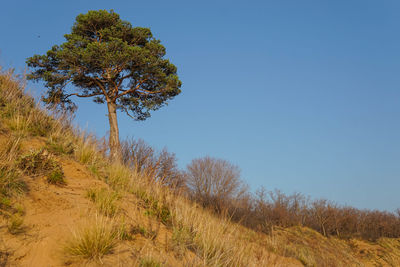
{"x":110,"y":61}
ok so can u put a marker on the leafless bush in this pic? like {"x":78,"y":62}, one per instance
{"x":214,"y":182}
{"x":168,"y":172}
{"x":271,"y":209}
{"x":277,"y":209}
{"x":137,"y":154}
{"x":161,"y":166}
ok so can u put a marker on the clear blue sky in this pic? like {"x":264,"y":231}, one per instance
{"x":302,"y":95}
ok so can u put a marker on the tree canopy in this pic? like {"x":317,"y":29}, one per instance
{"x":111,"y":61}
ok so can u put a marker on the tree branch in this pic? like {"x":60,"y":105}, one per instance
{"x":123,"y":78}
{"x":75,"y":94}
{"x":127,"y":112}
{"x":101,"y":87}
{"x":146,"y":92}
{"x":132,"y":89}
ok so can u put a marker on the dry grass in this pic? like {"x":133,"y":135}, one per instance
{"x":10,"y":150}
{"x":105,"y":200}
{"x":19,"y":111}
{"x":213,"y":240}
{"x":11,"y":182}
{"x":93,"y":240}
{"x":118,"y":176}
{"x":148,"y":261}
{"x":309,"y":247}
{"x":15,"y":224}
{"x":210,"y":240}
{"x":86,"y":152}
{"x":60,"y":145}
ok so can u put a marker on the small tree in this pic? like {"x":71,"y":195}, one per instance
{"x":108,"y":60}
{"x":214,"y":182}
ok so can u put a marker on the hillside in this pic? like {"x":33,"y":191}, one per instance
{"x":64,"y":204}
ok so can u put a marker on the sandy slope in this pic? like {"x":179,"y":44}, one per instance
{"x":52,"y":213}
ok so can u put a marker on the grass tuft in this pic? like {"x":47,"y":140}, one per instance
{"x":118,"y":176}
{"x":182,"y":239}
{"x":105,"y":200}
{"x":149,"y":262}
{"x":86,"y":150}
{"x":11,"y":182}
{"x":59,"y":146}
{"x":15,"y":224}
{"x":94,"y":240}
{"x":10,"y":150}
{"x":56,"y":176}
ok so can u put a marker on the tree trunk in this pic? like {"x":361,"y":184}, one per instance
{"x":115,"y":146}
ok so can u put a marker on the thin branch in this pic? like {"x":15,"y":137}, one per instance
{"x":101,"y":87}
{"x":123,"y":78}
{"x":132,"y":89}
{"x":146,"y":92}
{"x":116,"y":87}
{"x":127,"y":112}
{"x":75,"y":94}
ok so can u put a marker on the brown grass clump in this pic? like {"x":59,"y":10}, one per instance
{"x":105,"y":200}
{"x":11,"y":182}
{"x":15,"y":224}
{"x":149,"y":262}
{"x":93,"y":240}
{"x":19,"y":111}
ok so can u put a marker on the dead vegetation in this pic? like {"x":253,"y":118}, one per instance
{"x":139,"y":213}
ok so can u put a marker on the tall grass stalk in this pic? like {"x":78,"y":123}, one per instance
{"x":93,"y":240}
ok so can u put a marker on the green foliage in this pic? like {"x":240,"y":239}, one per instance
{"x":108,"y":59}
{"x":56,"y":176}
{"x":5,"y":203}
{"x":36,"y":162}
{"x":40,"y":162}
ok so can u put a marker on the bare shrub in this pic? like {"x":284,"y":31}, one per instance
{"x":143,"y":159}
{"x":214,"y":182}
{"x":328,"y":218}
{"x":168,"y":172}
{"x":137,"y":154}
